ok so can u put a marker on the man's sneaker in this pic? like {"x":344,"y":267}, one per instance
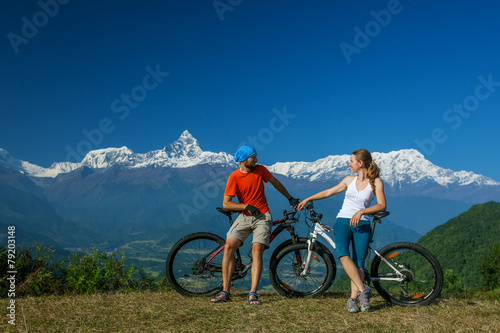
{"x":364,"y":299}
{"x":352,"y":305}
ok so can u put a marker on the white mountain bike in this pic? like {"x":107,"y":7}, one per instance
{"x":403,"y":273}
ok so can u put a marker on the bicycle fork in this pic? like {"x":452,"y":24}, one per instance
{"x":310,"y":245}
{"x":319,"y":230}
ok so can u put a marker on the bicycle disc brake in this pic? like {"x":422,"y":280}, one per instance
{"x":408,"y":277}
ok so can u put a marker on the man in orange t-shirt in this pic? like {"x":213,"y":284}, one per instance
{"x":247,"y":184}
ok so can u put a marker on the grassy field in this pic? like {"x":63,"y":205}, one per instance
{"x":171,"y":312}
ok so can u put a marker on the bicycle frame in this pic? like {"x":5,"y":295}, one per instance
{"x":318,"y":230}
{"x":287,"y":222}
{"x":322,"y":230}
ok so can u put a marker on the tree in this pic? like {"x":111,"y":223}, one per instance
{"x":489,"y":267}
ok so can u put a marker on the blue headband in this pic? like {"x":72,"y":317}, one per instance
{"x":243,"y":153}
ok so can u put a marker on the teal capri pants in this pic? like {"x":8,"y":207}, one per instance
{"x":345,"y":234}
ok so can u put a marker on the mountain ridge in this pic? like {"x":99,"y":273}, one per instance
{"x":396,"y":165}
{"x":406,"y":166}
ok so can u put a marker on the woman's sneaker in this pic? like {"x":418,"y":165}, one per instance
{"x":364,"y":299}
{"x":352,"y":305}
{"x":370,"y":291}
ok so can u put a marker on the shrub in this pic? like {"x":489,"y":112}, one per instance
{"x":453,"y":285}
{"x":82,"y":274}
{"x":34,"y":274}
{"x":98,"y":272}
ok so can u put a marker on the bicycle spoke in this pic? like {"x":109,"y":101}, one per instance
{"x":290,"y":279}
{"x":194,"y":265}
{"x":419,"y":279}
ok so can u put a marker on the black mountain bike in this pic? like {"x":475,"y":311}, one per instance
{"x":194,"y":264}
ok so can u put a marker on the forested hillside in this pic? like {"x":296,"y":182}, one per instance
{"x":463,"y":241}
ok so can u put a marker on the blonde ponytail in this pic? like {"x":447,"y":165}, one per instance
{"x":372,"y":167}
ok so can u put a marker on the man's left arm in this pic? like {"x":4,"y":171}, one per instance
{"x":277,"y":185}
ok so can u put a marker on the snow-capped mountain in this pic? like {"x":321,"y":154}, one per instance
{"x":183,"y":153}
{"x":18,"y":165}
{"x":407,"y":166}
{"x":397,"y":168}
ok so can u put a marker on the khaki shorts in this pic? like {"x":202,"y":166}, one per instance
{"x":260,"y":226}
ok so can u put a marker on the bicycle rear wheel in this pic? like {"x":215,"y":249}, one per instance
{"x":422,"y":278}
{"x":286,"y":268}
{"x":194,"y":264}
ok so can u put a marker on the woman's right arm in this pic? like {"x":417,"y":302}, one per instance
{"x":340,"y":187}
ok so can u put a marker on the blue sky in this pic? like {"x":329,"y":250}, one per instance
{"x":300,"y":79}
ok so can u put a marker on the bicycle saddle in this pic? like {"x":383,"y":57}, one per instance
{"x":379,"y":215}
{"x":226,"y":212}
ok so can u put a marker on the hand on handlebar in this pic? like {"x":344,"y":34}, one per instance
{"x":293,"y":202}
{"x":301,"y":205}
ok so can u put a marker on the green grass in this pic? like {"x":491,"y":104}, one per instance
{"x":170,"y":312}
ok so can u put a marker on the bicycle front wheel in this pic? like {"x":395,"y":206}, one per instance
{"x":286,"y":271}
{"x":194,"y":264}
{"x":407,"y":274}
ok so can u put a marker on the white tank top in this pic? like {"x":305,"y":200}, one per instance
{"x":356,"y":200}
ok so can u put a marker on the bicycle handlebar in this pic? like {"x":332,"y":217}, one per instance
{"x":317,"y":216}
{"x":288,"y":215}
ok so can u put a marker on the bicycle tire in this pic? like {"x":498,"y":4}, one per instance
{"x":423,"y":276}
{"x":284,"y":271}
{"x":286,"y":243}
{"x":187,"y":270}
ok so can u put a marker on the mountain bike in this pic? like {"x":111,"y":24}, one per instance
{"x":194,"y":263}
{"x":404,"y":274}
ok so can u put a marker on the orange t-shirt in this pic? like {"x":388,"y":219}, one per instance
{"x":249,"y":187}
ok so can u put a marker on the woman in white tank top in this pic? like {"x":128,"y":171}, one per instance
{"x":353,"y":223}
